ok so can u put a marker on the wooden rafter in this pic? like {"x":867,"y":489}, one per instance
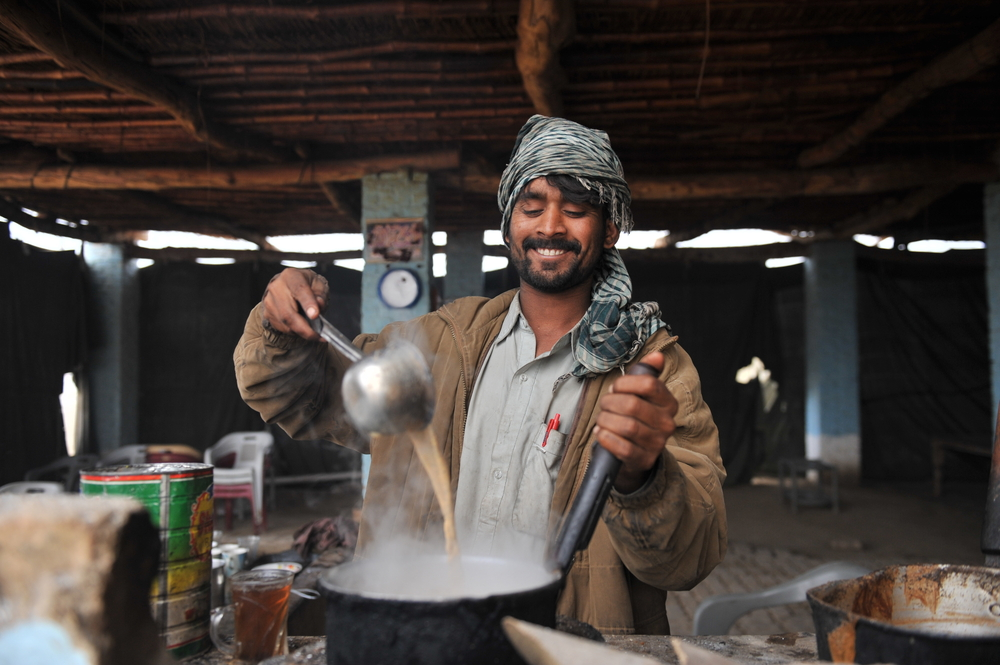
{"x":777,"y":184}
{"x":11,"y":209}
{"x":342,"y":201}
{"x":82,"y":176}
{"x":75,"y":50}
{"x":729,"y":219}
{"x":829,"y":182}
{"x":889,"y":212}
{"x":304,"y":12}
{"x":191,"y":253}
{"x":543,"y":28}
{"x":168,"y":210}
{"x":960,"y":63}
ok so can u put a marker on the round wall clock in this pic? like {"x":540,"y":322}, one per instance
{"x":399,"y":288}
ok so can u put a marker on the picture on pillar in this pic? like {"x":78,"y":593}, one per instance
{"x":395,"y":240}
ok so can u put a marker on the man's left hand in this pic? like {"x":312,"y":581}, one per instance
{"x":636,"y":418}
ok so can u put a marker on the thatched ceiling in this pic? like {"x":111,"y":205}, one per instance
{"x":257,"y":118}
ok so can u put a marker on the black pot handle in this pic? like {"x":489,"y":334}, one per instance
{"x":578,"y":526}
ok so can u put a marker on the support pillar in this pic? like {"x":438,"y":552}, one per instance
{"x":402,"y":198}
{"x":991,"y":221}
{"x":465,"y":265}
{"x":833,"y":405}
{"x":388,"y":198}
{"x":113,"y":365}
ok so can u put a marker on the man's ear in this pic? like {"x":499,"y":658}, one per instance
{"x":611,"y":234}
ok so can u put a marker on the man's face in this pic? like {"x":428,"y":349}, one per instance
{"x":555,"y":244}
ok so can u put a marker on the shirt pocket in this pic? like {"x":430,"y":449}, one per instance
{"x":534,"y":492}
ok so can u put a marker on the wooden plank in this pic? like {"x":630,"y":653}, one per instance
{"x":83,"y":176}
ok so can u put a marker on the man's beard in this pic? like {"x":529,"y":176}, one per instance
{"x":553,"y":281}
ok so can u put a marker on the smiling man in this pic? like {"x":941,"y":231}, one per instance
{"x":525,"y":381}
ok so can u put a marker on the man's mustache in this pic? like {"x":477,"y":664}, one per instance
{"x":564,"y":244}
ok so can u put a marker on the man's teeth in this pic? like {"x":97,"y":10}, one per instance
{"x":550,"y":252}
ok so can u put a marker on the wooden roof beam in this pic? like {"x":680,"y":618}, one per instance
{"x":12,"y":210}
{"x":343,"y":201}
{"x":74,"y":49}
{"x":775,"y":184}
{"x":888,"y":212}
{"x":172,"y":211}
{"x":543,"y":28}
{"x":960,"y":63}
{"x":153,"y":178}
{"x":310,"y":12}
{"x":192,"y":253}
{"x":826,"y":182}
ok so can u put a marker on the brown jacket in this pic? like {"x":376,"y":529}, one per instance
{"x":666,"y":536}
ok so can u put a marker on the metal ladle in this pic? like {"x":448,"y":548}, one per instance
{"x":388,"y":392}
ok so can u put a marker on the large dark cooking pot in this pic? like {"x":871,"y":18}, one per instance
{"x":418,"y":612}
{"x":910,"y":615}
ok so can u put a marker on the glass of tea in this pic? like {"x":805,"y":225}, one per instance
{"x":254,"y":627}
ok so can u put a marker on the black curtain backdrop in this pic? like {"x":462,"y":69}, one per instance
{"x":923,"y":336}
{"x":724,"y":315}
{"x":924,"y":366}
{"x":42,"y":336}
{"x":192,"y":318}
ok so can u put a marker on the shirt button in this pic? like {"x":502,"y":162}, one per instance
{"x":524,"y":377}
{"x":498,"y":474}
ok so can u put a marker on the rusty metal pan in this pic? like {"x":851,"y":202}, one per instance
{"x":910,"y":615}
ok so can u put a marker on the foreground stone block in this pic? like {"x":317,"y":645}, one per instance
{"x":75,"y":574}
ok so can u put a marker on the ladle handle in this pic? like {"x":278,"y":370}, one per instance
{"x":578,"y":526}
{"x":336,"y":338}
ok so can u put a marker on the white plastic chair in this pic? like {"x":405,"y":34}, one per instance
{"x":33,"y":487}
{"x":717,"y":614}
{"x":246,"y":478}
{"x":131,"y":454}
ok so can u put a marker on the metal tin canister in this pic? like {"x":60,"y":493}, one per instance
{"x":179,"y":498}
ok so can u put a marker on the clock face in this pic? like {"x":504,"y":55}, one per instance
{"x":399,"y":288}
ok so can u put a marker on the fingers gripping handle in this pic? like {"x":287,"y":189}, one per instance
{"x":333,"y":336}
{"x":579,"y":524}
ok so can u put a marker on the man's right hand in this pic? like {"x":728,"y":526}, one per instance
{"x":290,"y":293}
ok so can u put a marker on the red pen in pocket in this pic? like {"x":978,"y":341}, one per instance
{"x":553,"y":425}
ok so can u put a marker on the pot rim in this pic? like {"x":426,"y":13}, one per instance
{"x":813,"y":596}
{"x":331,"y":588}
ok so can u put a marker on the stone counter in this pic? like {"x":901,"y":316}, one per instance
{"x":748,"y":649}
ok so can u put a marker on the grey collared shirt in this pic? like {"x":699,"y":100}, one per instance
{"x":508,"y":467}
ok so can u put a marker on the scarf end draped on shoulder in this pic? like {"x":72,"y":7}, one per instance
{"x":614,"y":329}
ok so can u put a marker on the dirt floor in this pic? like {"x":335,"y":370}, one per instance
{"x":876,"y":526}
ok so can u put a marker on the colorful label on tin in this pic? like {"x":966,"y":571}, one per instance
{"x":202,"y":523}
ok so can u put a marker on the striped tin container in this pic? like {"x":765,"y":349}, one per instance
{"x":179,"y":499}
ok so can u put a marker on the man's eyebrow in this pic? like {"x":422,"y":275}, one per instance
{"x":530,"y":195}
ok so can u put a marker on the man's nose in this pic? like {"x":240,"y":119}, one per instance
{"x":551,"y":222}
